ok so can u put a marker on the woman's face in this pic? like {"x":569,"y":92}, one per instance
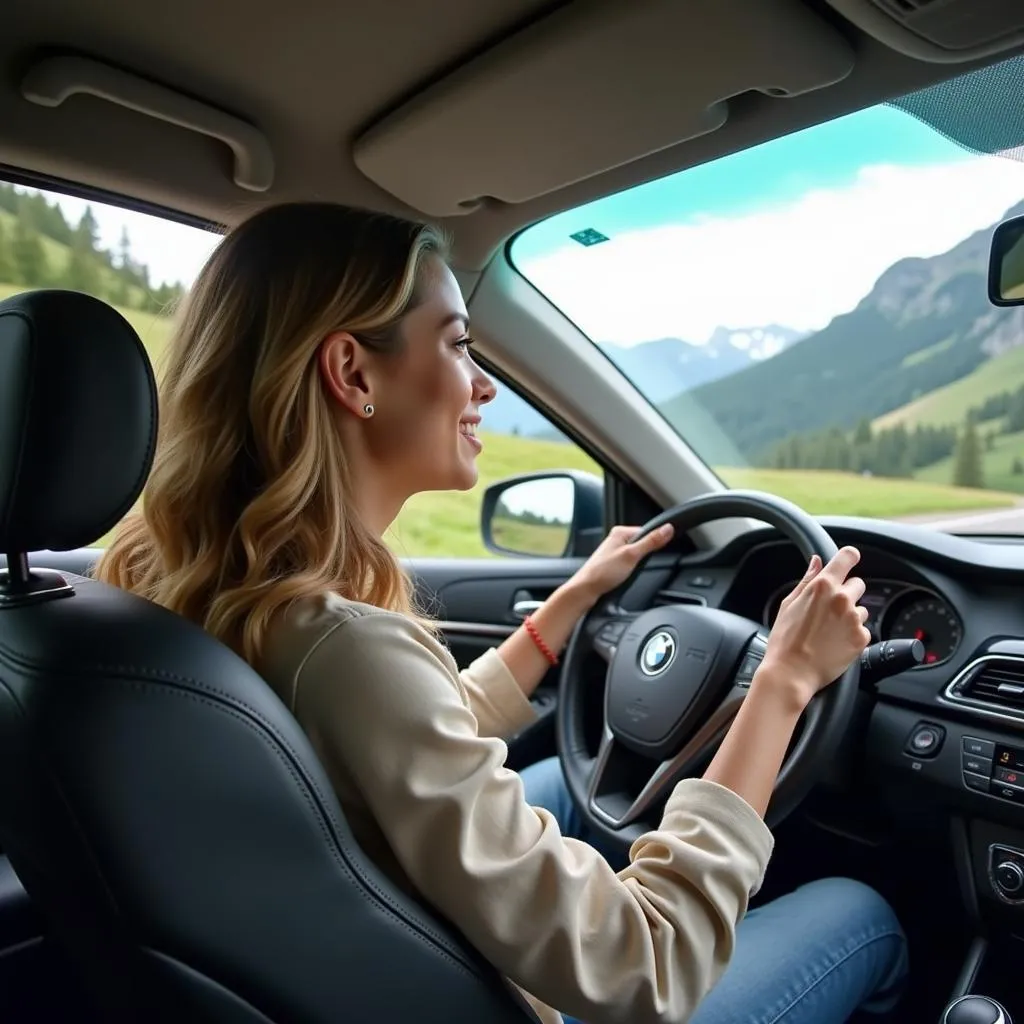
{"x":426,"y":398}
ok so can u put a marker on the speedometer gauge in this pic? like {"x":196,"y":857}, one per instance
{"x":929,"y":620}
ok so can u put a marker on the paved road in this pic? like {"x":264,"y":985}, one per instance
{"x":1006,"y":520}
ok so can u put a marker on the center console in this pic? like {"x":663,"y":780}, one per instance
{"x":967,"y":768}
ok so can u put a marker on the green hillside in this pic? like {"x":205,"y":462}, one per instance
{"x":997,"y":465}
{"x":40,"y":249}
{"x":926,"y":324}
{"x":949,"y":405}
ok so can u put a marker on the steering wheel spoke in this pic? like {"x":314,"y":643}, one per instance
{"x":606,"y":799}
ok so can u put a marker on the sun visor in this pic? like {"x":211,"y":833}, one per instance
{"x":592,"y":87}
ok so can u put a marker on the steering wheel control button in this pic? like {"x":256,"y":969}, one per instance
{"x":978,"y":765}
{"x":749,"y":665}
{"x":611,"y":632}
{"x":701,"y":582}
{"x":925,"y":740}
{"x":982,"y":748}
{"x":978,"y":782}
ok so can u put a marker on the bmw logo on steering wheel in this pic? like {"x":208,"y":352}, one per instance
{"x":657,"y":653}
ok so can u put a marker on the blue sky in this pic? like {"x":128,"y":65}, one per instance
{"x":792,"y":232}
{"x":826,"y":156}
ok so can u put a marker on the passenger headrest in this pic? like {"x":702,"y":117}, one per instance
{"x":78,"y":420}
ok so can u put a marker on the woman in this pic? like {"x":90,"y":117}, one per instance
{"x":320,"y":376}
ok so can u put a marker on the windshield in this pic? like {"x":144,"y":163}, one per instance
{"x":811,"y":316}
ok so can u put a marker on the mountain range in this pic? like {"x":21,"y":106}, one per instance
{"x":924,"y":324}
{"x":661,"y":369}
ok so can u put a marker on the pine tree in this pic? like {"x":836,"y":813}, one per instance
{"x":29,"y":255}
{"x":88,"y":231}
{"x":1015,"y":413}
{"x":82,"y":273}
{"x":124,"y":251}
{"x":968,"y":470}
{"x":862,"y":435}
{"x":8,"y":273}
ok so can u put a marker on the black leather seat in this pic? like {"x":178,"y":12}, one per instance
{"x":158,"y":802}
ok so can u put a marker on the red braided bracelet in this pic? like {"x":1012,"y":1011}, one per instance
{"x":539,"y":640}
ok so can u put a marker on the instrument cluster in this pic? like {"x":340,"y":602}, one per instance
{"x":899,"y":611}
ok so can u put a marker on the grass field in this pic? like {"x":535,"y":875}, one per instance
{"x":829,"y":493}
{"x":948,"y":406}
{"x":998,"y":465}
{"x":448,"y":524}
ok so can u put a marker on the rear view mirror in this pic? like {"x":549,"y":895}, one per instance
{"x":1006,"y":264}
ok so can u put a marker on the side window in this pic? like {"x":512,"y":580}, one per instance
{"x":140,"y":263}
{"x":533,"y":518}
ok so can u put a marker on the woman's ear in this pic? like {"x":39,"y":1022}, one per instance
{"x":343,"y":367}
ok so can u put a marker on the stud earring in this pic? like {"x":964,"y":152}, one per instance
{"x":368,"y":409}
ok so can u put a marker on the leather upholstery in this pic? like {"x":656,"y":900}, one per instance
{"x":77,"y":419}
{"x":163,"y":809}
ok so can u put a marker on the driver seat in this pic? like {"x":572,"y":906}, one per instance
{"x":160,"y":805}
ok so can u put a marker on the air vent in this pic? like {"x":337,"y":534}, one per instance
{"x":993,"y":682}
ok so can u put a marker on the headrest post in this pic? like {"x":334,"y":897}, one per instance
{"x":18,"y":575}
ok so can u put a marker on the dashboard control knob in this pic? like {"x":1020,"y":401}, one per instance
{"x":1009,"y":876}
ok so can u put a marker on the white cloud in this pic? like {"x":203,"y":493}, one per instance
{"x":797,"y":264}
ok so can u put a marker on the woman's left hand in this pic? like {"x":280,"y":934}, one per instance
{"x":616,"y":558}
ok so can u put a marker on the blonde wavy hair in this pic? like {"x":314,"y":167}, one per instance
{"x":249,"y":506}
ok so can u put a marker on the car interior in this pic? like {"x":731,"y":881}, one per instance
{"x":170,"y":848}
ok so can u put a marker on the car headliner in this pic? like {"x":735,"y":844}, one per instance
{"x":472,"y":89}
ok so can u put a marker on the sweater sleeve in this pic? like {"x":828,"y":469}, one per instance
{"x":495,"y":698}
{"x":643,"y":945}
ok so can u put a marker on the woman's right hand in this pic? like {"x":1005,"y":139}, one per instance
{"x":819,"y":629}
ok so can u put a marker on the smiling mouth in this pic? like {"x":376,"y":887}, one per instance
{"x":469,"y":429}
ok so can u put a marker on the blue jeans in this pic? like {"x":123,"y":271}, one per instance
{"x":813,"y":956}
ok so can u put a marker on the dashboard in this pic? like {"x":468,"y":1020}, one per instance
{"x":937,"y":748}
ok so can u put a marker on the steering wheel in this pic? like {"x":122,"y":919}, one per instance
{"x":676,"y":676}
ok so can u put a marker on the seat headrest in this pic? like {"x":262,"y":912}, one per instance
{"x":78,"y":420}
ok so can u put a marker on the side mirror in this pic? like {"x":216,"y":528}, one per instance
{"x":556,"y":514}
{"x":1006,"y":264}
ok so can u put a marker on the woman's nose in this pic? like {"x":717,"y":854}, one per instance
{"x":484,"y":389}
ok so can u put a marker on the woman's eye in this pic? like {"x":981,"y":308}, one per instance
{"x":464,"y":343}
